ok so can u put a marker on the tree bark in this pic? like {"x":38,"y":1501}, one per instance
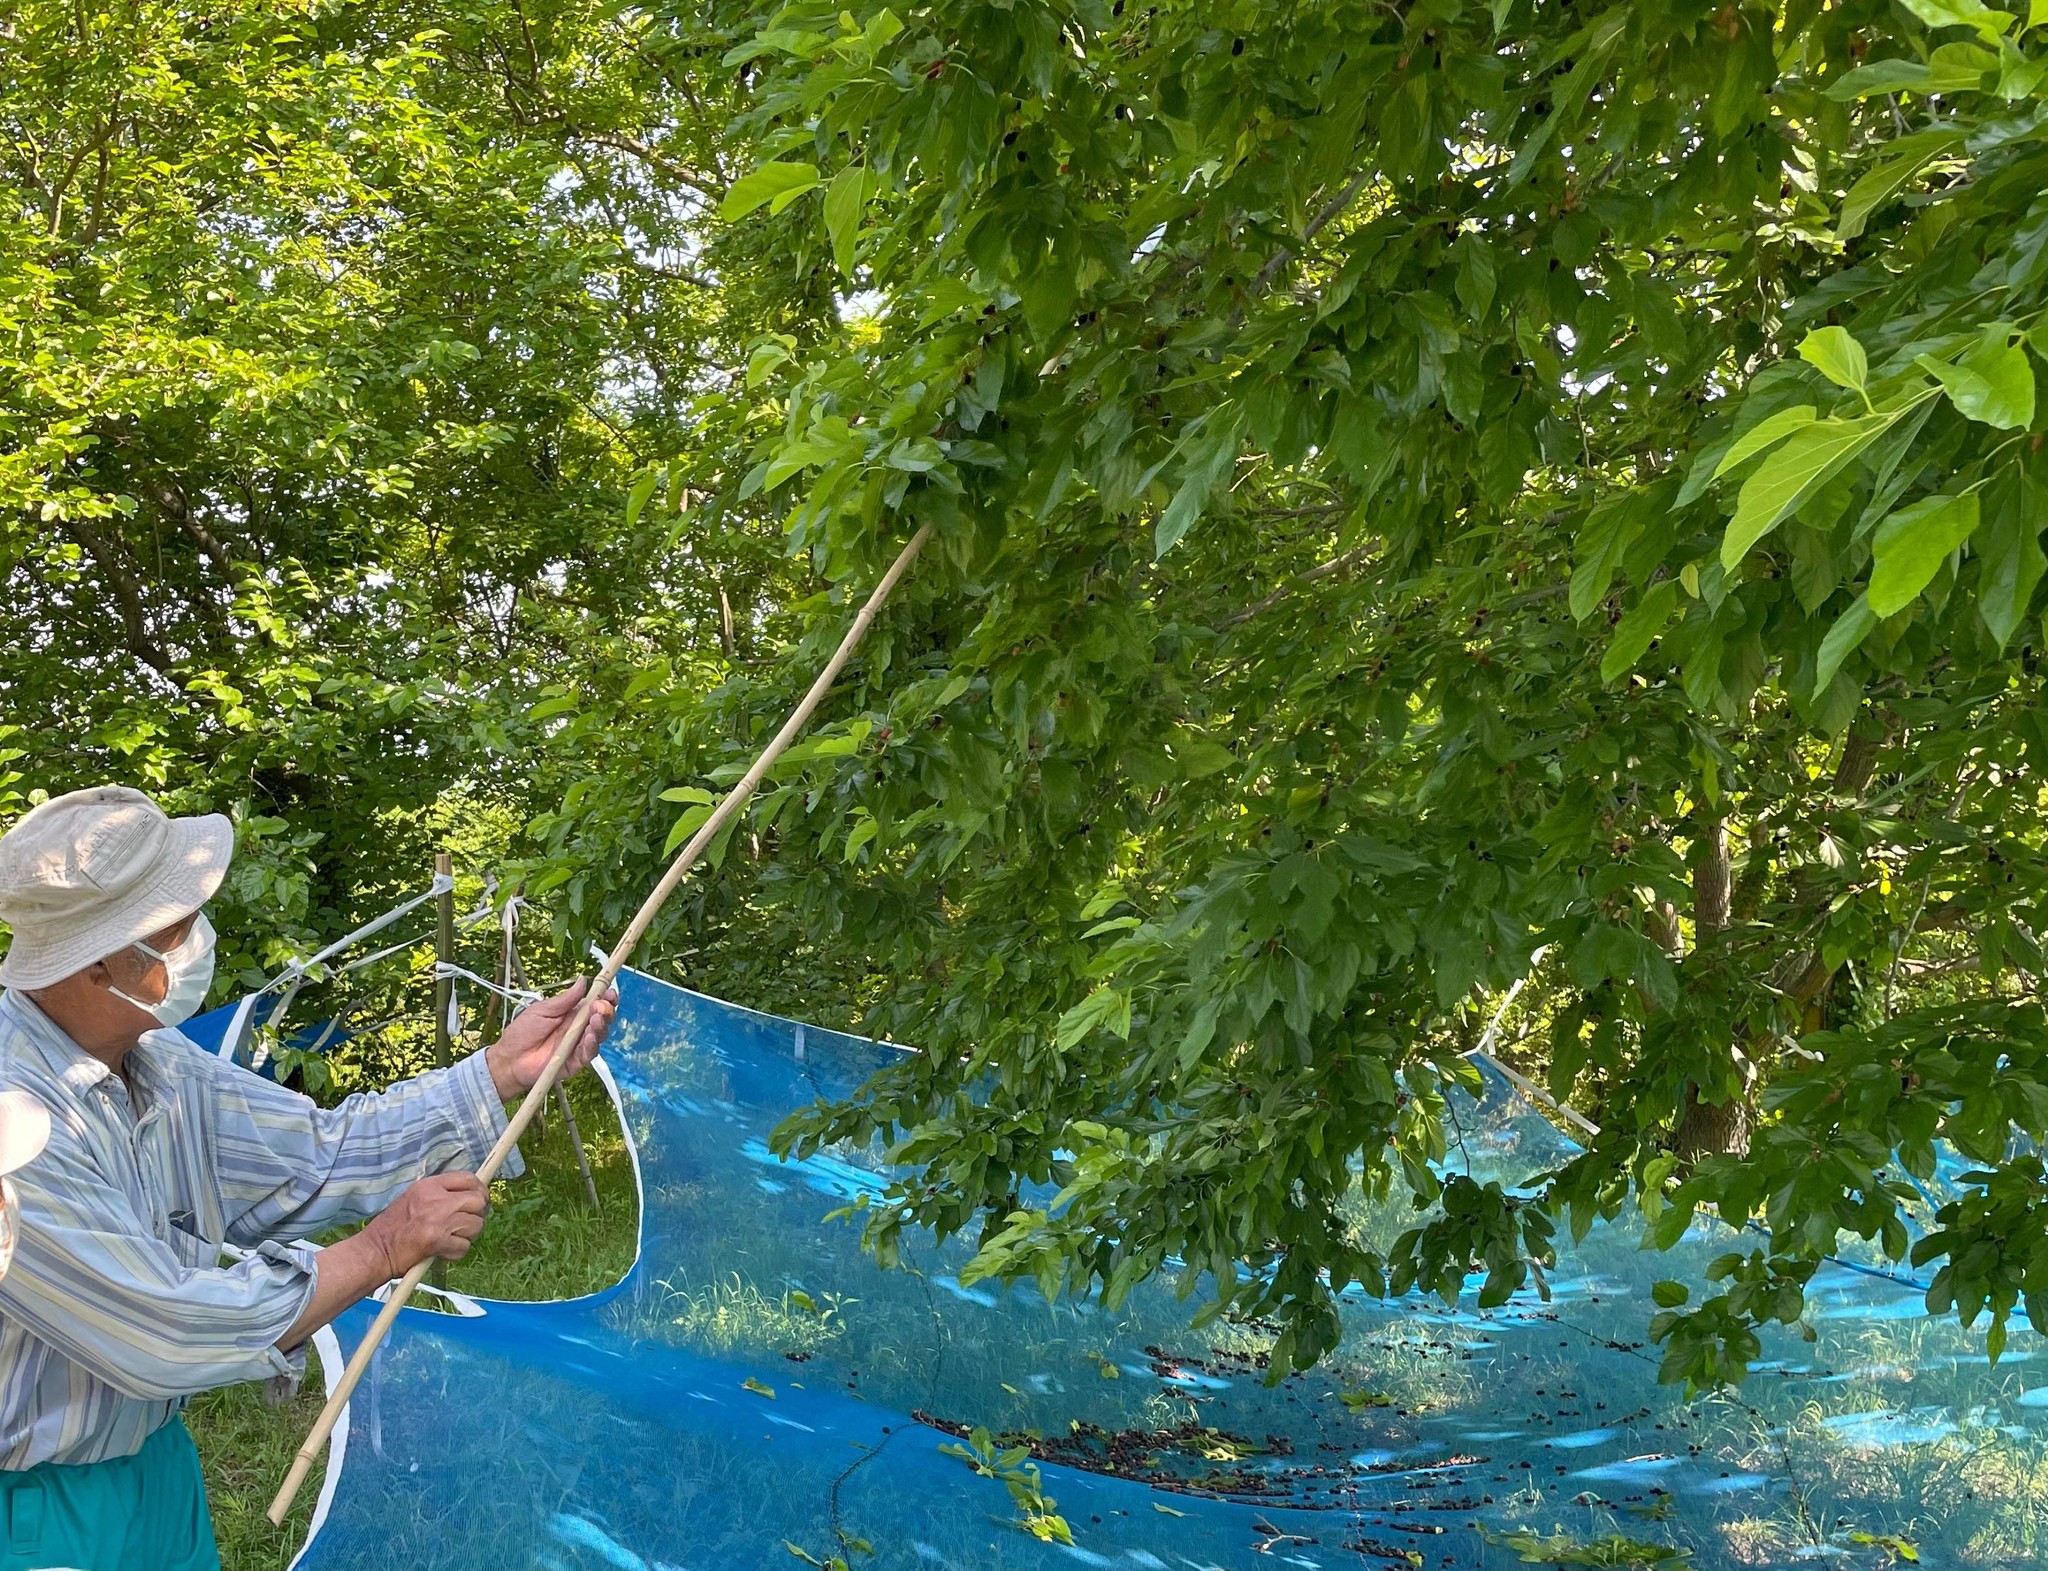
{"x":1859,"y":760}
{"x":1711,"y":1128}
{"x":1662,"y":922}
{"x":1710,"y":879}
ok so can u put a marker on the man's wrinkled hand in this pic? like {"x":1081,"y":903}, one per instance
{"x":517,"y":1057}
{"x":437,"y":1218}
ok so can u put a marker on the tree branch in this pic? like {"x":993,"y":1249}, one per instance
{"x":1336,"y":564}
{"x":620,"y":142}
{"x":110,"y":558}
{"x":171,"y":501}
{"x":1316,"y":225}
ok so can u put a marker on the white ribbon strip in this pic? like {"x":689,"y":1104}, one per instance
{"x":441,"y":885}
{"x":511,"y":995}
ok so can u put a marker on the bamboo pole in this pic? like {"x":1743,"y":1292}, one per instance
{"x":687,"y":858}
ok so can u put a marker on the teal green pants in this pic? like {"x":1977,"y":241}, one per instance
{"x":145,"y":1512}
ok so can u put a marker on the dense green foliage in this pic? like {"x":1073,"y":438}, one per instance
{"x":1423,"y":496}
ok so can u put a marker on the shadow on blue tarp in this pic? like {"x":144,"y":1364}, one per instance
{"x":757,"y":1388}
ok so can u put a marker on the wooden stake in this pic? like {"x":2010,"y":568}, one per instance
{"x":494,"y":1006}
{"x":562,"y":1102}
{"x":531,"y":1104}
{"x":576,"y":1144}
{"x":444,"y":996}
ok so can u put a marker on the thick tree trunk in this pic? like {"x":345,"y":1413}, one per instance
{"x":1710,"y":1129}
{"x":1710,"y":879}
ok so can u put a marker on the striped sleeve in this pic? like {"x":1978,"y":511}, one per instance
{"x":289,"y":1168}
{"x":90,"y":1279}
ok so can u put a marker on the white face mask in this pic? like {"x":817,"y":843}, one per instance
{"x":188,"y":972}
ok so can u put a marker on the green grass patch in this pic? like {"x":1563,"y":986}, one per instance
{"x":542,"y":1242}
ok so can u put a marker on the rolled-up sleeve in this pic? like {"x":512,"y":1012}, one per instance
{"x":290,"y":1168}
{"x":90,"y":1278}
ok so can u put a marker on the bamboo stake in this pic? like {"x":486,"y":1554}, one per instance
{"x":444,"y":997}
{"x":576,"y":1144}
{"x":531,"y":1104}
{"x":561,"y":1099}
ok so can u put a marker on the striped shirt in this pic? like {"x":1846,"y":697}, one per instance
{"x":117,"y":1306}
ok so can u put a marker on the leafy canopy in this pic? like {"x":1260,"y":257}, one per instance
{"x":1424,"y":497}
{"x":1423,"y":490}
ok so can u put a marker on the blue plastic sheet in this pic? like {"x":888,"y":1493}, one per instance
{"x":757,"y":1392}
{"x":210,"y":1030}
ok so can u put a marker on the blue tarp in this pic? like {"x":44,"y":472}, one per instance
{"x":757,"y":1390}
{"x":211,"y":1029}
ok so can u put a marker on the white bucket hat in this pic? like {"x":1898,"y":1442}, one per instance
{"x":90,"y":872}
{"x":24,"y":1130}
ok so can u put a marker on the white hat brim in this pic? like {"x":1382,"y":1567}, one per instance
{"x":24,"y":1130}
{"x":198,"y":858}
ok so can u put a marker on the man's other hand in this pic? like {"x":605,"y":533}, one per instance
{"x":438,"y":1216}
{"x":517,"y":1057}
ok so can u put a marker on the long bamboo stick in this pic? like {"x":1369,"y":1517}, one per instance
{"x":687,"y":858}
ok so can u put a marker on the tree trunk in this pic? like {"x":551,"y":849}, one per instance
{"x":1706,"y":1128}
{"x":1710,"y":879}
{"x":1710,"y":1129}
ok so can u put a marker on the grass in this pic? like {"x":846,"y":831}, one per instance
{"x":542,"y":1242}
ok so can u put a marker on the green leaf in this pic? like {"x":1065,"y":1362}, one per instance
{"x":1475,"y":280}
{"x":1199,"y":756}
{"x":763,"y":360}
{"x":2019,"y":75}
{"x":864,"y":829}
{"x":1993,"y":383}
{"x":1596,"y":42}
{"x":2010,"y":550}
{"x":1765,"y":433}
{"x":1633,"y":633}
{"x":1669,"y":1295}
{"x":1878,"y":186}
{"x":1850,"y":629}
{"x":1989,"y":24}
{"x":1836,"y":354}
{"x":1814,"y":455}
{"x":777,"y":183}
{"x":1106,"y":1007}
{"x":636,"y":499}
{"x":1210,"y":453}
{"x":1610,"y":529}
{"x":844,"y":199}
{"x":1911,"y":545}
{"x":687,"y":824}
{"x":1882,"y":76}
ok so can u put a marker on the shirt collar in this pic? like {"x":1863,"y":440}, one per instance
{"x":76,"y":1069}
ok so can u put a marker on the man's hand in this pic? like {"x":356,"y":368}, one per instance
{"x":518,"y":1057}
{"x":438,"y":1216}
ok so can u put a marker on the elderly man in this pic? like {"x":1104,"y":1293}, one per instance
{"x":118,"y":1307}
